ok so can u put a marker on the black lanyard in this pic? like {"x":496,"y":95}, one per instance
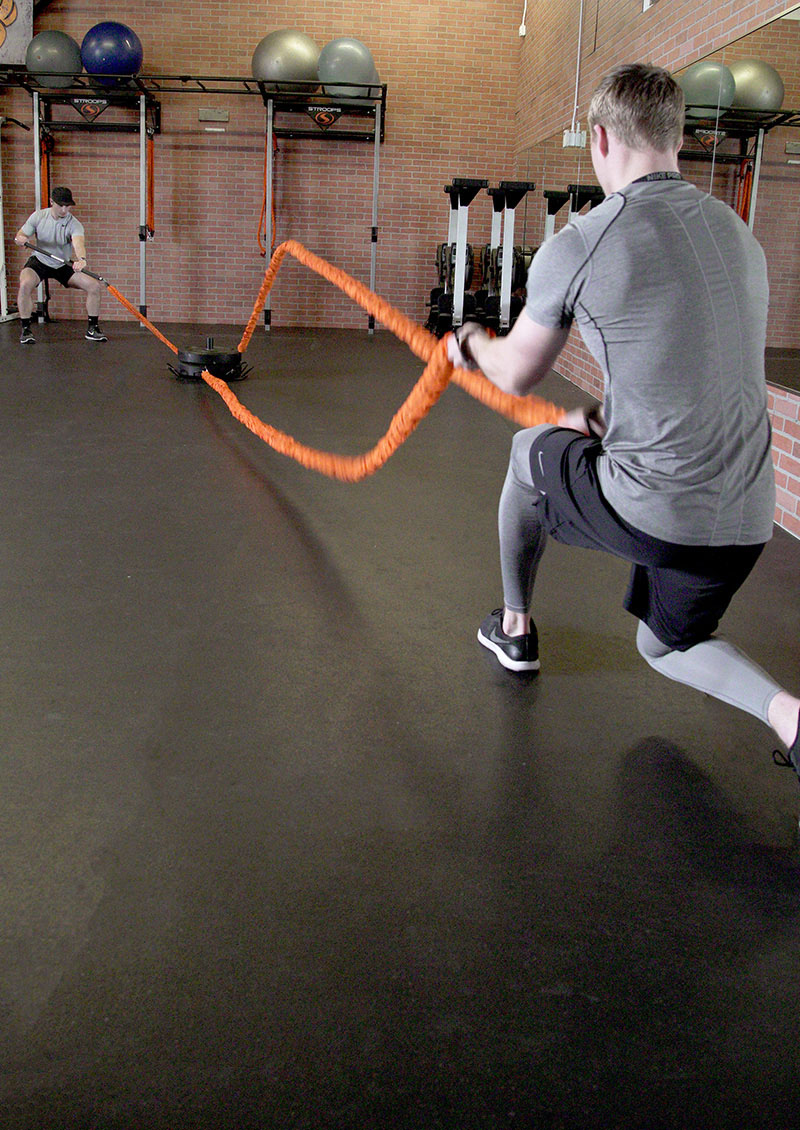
{"x":666,"y":175}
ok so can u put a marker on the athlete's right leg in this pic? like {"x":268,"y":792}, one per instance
{"x":522,"y":535}
{"x":28,"y":282}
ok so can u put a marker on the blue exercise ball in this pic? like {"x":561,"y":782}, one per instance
{"x":707,"y":84}
{"x":345,"y":60}
{"x":53,"y":51}
{"x":287,"y":56}
{"x":111,"y":48}
{"x":758,"y":85}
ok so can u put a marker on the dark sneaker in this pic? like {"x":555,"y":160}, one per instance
{"x":94,"y":333}
{"x":790,"y":760}
{"x":516,"y":653}
{"x":27,"y":338}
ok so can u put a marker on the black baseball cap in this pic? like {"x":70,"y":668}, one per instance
{"x":61,"y":196}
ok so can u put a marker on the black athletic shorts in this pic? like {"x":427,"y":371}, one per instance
{"x":679,"y":591}
{"x":62,"y":274}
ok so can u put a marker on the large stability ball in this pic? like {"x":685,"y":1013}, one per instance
{"x":367,"y":96}
{"x":287,"y":56}
{"x":345,"y":60}
{"x":758,"y":85}
{"x":110,"y":48}
{"x":53,"y":51}
{"x":707,"y":84}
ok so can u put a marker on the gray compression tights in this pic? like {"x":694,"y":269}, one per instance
{"x":713,"y":666}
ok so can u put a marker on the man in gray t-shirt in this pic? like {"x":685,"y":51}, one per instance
{"x":58,"y":236}
{"x":668,"y":289}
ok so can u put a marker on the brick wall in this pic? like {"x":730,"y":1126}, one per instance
{"x":784,"y":410}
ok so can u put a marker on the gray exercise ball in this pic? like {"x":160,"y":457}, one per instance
{"x":370,"y":95}
{"x":758,"y":85}
{"x":345,"y":60}
{"x":707,"y":84}
{"x":287,"y":56}
{"x":53,"y":51}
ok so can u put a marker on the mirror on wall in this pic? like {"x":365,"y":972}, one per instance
{"x":747,"y":155}
{"x":743,"y":144}
{"x":565,"y":184}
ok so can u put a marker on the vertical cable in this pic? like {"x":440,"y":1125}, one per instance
{"x":578,"y":66}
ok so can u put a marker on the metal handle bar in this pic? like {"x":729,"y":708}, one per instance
{"x":66,"y":262}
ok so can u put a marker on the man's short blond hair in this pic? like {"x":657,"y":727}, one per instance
{"x":642,"y":105}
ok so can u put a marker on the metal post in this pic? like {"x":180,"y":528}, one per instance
{"x":467,"y":189}
{"x":4,"y":314}
{"x":751,"y":214}
{"x":376,"y":165}
{"x":507,"y":272}
{"x":461,"y":264}
{"x":37,"y":177}
{"x":37,"y":152}
{"x":143,"y":205}
{"x":452,"y":222}
{"x":497,"y":227}
{"x":268,"y":204}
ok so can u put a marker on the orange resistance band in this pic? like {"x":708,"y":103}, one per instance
{"x":151,"y":214}
{"x":438,"y":373}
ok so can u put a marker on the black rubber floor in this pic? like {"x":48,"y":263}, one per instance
{"x":283,"y":847}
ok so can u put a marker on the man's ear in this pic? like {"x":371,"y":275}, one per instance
{"x":600,"y":139}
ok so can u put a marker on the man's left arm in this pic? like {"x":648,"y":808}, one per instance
{"x":79,"y":247}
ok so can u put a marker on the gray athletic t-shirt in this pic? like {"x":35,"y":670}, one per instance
{"x":52,"y":235}
{"x":669,"y":291}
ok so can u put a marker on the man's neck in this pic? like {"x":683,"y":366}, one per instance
{"x":633,"y":164}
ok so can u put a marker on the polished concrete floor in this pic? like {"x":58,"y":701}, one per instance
{"x":283,"y":847}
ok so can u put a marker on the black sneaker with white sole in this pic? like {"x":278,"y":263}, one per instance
{"x":94,"y":333}
{"x":516,"y":653}
{"x":26,"y":338}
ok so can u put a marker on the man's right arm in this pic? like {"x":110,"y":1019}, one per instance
{"x":25,"y":233}
{"x":516,"y":362}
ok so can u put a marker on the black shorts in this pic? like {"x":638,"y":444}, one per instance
{"x":62,"y":274}
{"x":679,"y":591}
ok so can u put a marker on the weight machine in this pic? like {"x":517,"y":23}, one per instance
{"x":576,"y":195}
{"x":507,"y":263}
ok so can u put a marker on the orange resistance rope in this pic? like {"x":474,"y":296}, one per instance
{"x":745,"y":190}
{"x":438,"y":373}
